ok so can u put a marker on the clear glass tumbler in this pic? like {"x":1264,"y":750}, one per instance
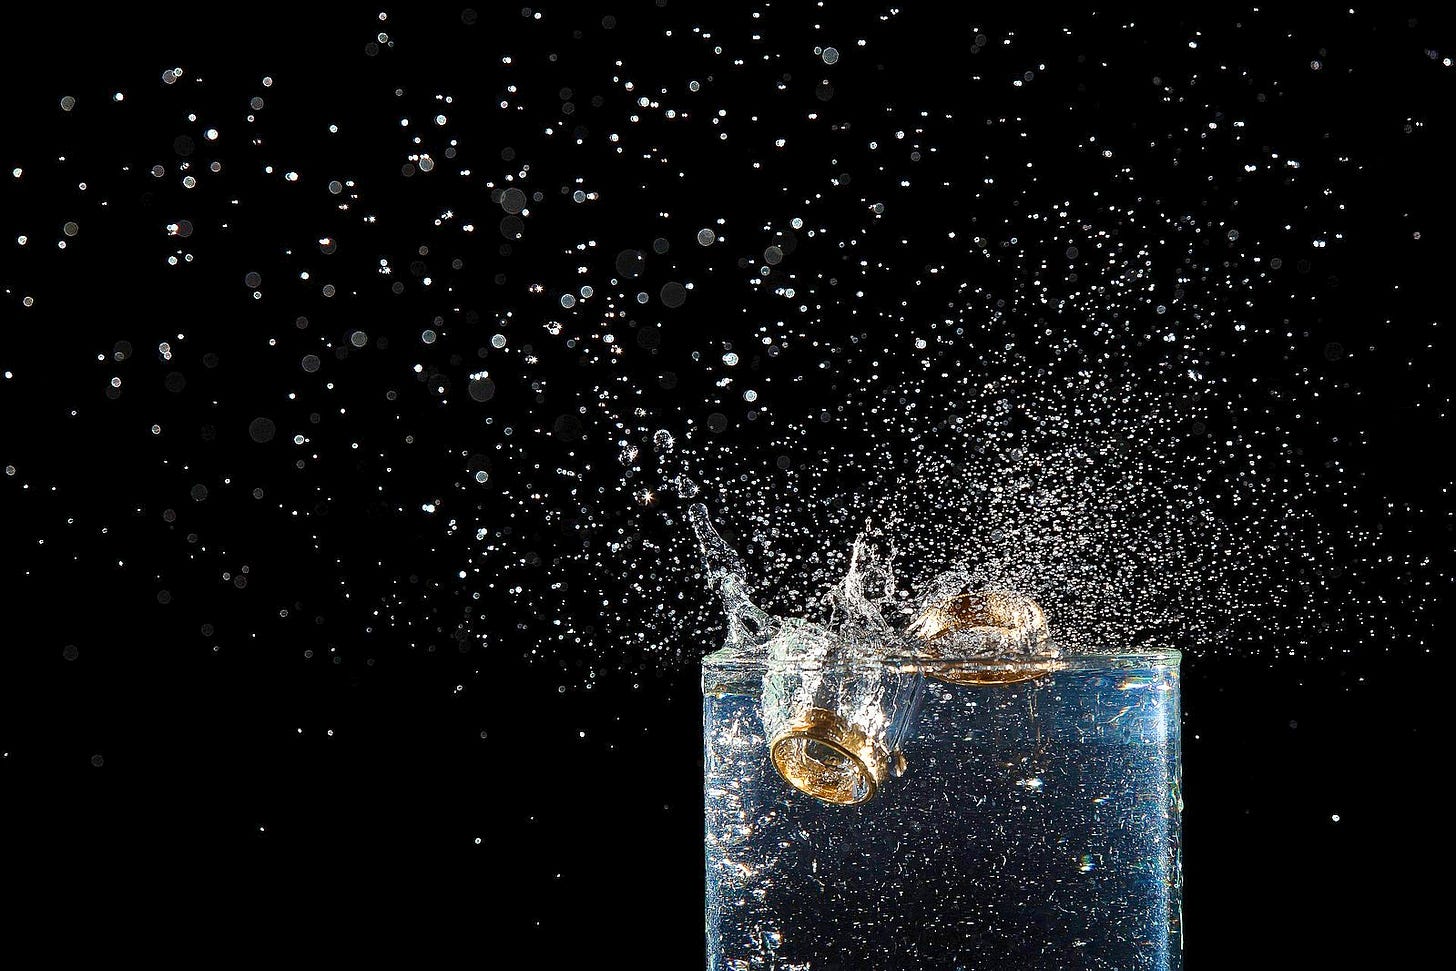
{"x":942,"y":814}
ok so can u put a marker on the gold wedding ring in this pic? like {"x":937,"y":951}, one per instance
{"x":1006,"y":627}
{"x":822,"y":755}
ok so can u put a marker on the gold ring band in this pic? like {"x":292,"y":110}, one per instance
{"x":822,"y":755}
{"x":1013,"y":623}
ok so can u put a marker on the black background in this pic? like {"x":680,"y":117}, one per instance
{"x":224,"y":815}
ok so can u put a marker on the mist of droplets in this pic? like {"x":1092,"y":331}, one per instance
{"x":740,"y":272}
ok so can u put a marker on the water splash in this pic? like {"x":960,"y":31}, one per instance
{"x":857,"y":602}
{"x":1125,"y":394}
{"x":748,"y":625}
{"x":952,"y":622}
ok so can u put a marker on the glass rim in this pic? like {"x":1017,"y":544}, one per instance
{"x":1082,"y":660}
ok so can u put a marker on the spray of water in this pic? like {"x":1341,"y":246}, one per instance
{"x":586,"y":305}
